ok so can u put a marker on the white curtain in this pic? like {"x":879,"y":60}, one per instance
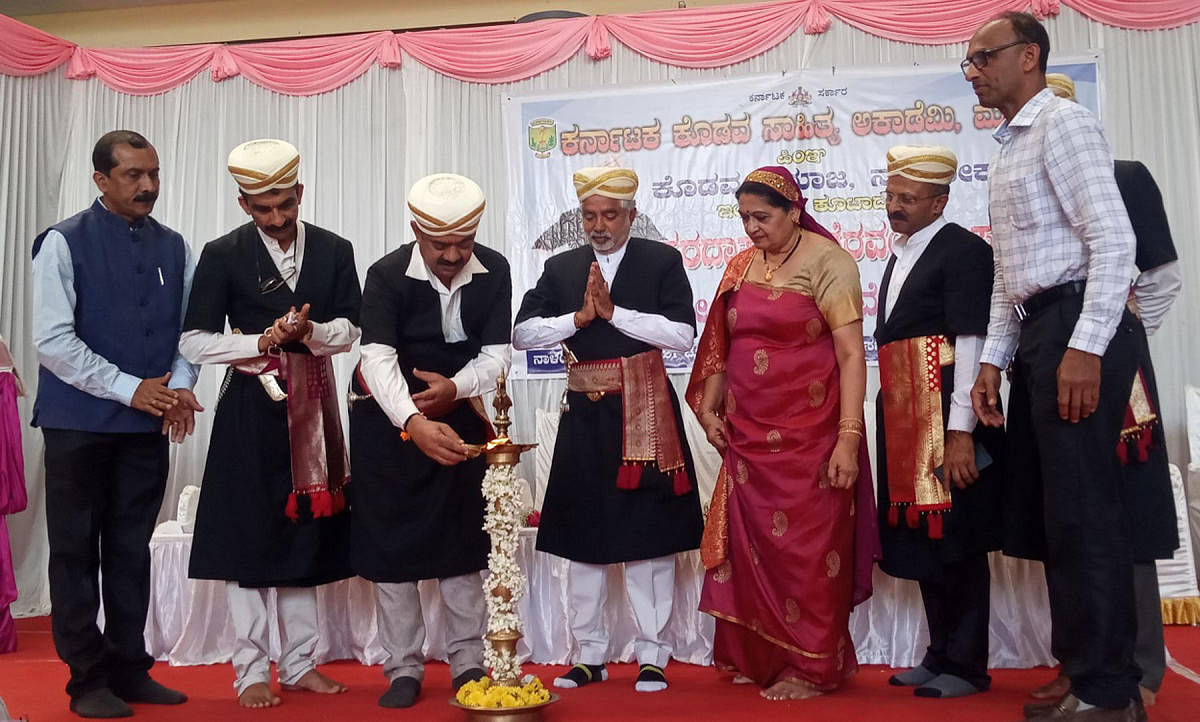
{"x":364,"y":144}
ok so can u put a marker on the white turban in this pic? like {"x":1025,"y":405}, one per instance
{"x":263,"y":165}
{"x":923,"y":163}
{"x":1061,"y":85}
{"x":619,"y":183}
{"x":445,"y":204}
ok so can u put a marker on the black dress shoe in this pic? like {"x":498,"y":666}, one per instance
{"x":470,"y":675}
{"x":402,"y":693}
{"x":100,"y":704}
{"x":146,"y":691}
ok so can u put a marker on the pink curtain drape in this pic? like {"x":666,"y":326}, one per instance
{"x":707,"y":37}
{"x":29,"y":51}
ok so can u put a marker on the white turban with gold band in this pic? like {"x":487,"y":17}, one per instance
{"x":445,"y":204}
{"x":619,"y":183}
{"x":924,"y":163}
{"x":263,"y":165}
{"x":1061,"y":85}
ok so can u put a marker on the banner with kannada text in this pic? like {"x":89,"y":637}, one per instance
{"x":692,"y":143}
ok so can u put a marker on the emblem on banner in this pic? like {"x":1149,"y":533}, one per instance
{"x":543,"y":136}
{"x":800,"y":96}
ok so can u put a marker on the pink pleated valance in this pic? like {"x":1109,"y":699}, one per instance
{"x":693,"y":38}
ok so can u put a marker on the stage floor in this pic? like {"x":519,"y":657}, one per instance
{"x":32,"y":679}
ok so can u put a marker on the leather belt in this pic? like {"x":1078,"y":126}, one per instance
{"x":1044,"y":299}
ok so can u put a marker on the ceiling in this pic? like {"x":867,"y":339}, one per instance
{"x":39,"y":7}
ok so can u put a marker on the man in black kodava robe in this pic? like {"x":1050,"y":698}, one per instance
{"x":436,"y":320}
{"x":619,"y":300}
{"x":271,"y":503}
{"x":936,"y":292}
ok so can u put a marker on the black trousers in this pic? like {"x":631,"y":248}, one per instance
{"x":1089,"y":564}
{"x":1149,"y":651}
{"x":957,"y":607}
{"x":103,"y":494}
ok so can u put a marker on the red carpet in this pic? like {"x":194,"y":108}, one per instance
{"x":32,"y":679}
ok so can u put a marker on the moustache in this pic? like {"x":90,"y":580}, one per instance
{"x":897,"y":217}
{"x":147,"y":197}
{"x":454,"y":264}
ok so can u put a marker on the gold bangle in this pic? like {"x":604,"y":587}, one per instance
{"x":856,"y":432}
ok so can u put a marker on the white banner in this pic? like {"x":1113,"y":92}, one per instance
{"x":692,"y":143}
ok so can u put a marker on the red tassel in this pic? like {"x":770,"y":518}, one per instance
{"x":683,"y":484}
{"x":1122,"y":452}
{"x":338,"y":499}
{"x":934,"y":520}
{"x":321,"y":503}
{"x":893,"y":515}
{"x":292,"y":508}
{"x":1144,"y":443}
{"x":912,"y":516}
{"x":629,"y":476}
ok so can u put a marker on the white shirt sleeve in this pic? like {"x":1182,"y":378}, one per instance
{"x":332,"y":337}
{"x":654,"y":329}
{"x":59,"y":349}
{"x":479,"y":374}
{"x":967,"y":352}
{"x":380,"y":368}
{"x":543,"y":332}
{"x":1155,"y":291}
{"x":207,"y":347}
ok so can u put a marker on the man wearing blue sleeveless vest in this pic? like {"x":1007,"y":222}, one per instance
{"x":109,"y":290}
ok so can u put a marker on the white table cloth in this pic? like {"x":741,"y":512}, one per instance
{"x":189,"y":619}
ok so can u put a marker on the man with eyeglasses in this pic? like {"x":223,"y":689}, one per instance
{"x":1149,"y":502}
{"x":271,"y":503}
{"x":1064,"y":252}
{"x":939,"y":506}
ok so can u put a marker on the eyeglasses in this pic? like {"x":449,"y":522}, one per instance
{"x":274,"y":281}
{"x":905,"y":199}
{"x":980,"y":58}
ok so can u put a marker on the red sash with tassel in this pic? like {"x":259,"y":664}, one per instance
{"x":320,"y":465}
{"x":650,"y":435}
{"x":1138,"y":430}
{"x":910,"y":375}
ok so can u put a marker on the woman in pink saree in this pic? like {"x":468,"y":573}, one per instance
{"x":778,"y":385}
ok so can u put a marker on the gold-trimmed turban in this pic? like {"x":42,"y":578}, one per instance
{"x":924,"y":163}
{"x":264,"y":165}
{"x":1061,"y":85}
{"x":619,"y":183}
{"x":446,"y":204}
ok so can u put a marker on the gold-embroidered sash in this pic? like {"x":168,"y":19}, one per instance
{"x":910,"y":374}
{"x":650,"y":434}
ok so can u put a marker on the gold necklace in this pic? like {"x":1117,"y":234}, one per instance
{"x":768,"y":272}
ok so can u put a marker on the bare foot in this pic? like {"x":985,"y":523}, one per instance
{"x":258,"y":695}
{"x":1149,"y":696}
{"x":314,"y":681}
{"x":1054,"y":689}
{"x":742,"y":679}
{"x":789,"y":689}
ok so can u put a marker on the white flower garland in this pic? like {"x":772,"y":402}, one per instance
{"x":502,"y":521}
